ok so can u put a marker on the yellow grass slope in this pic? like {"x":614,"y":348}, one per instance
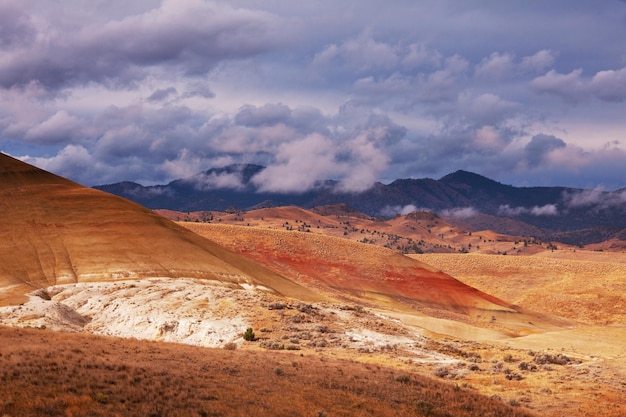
{"x":585,"y":286}
{"x":55,"y":231}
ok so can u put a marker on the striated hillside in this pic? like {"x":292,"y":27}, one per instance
{"x":55,"y":231}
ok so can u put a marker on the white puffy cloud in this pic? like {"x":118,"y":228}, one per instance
{"x":392,"y":211}
{"x":539,"y":61}
{"x":547,"y":210}
{"x":59,"y":128}
{"x":609,"y":85}
{"x":567,"y":86}
{"x":460,"y":213}
{"x":300,"y":165}
{"x":596,"y":197}
{"x":496,"y":66}
{"x":214,"y":181}
{"x":606,"y":85}
{"x":69,"y":162}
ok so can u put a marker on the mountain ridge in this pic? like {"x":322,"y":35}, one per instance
{"x":561,"y":213}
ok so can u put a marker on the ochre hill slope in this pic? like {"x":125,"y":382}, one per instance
{"x":582,"y":285}
{"x":372,"y":275}
{"x":54,"y":231}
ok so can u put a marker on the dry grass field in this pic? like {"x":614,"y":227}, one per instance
{"x":588,"y":287}
{"x":85,"y":375}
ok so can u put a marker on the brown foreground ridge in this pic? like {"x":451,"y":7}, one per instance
{"x":86,"y":375}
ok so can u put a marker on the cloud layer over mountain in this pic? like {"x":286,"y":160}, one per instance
{"x":527,"y":93}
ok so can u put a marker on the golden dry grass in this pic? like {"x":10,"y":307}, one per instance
{"x":587,"y":287}
{"x":93,"y":376}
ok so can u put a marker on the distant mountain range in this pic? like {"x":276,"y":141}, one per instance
{"x":569,"y":215}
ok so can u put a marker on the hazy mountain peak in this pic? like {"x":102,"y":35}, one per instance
{"x":469,"y":178}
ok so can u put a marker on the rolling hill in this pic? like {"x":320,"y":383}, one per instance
{"x":55,"y":231}
{"x":375,"y":276}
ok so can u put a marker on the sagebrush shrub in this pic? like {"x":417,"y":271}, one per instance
{"x":249,"y":335}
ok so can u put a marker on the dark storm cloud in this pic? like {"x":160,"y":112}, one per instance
{"x":539,"y":146}
{"x":154,"y":90}
{"x":188,"y":36}
{"x":15,"y":26}
{"x":268,"y":114}
{"x":162,"y":94}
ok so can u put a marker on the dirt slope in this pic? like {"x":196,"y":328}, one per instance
{"x":55,"y":231}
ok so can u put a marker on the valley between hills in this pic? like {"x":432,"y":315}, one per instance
{"x":108,"y":308}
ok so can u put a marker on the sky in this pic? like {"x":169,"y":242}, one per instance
{"x":526,"y":92}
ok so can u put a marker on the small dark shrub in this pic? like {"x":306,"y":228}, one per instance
{"x":558,"y":359}
{"x":513,"y":376}
{"x":403,"y":378}
{"x":525,"y":366}
{"x":101,"y":398}
{"x":249,"y":335}
{"x":509,"y":358}
{"x":442,"y":371}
